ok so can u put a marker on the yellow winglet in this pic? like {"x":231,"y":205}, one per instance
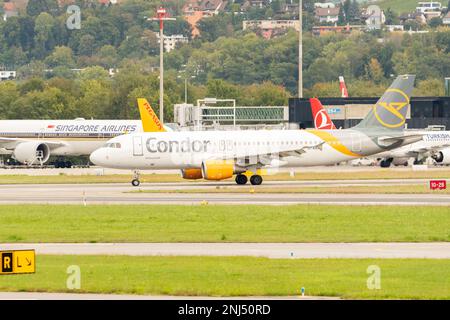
{"x":150,"y":121}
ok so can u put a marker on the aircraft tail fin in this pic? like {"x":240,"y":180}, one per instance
{"x":343,"y":87}
{"x":321,"y":117}
{"x":389,"y":113}
{"x":150,"y":121}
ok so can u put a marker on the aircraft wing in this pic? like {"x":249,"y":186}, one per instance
{"x":434,"y":149}
{"x":246,"y":158}
{"x":11,"y":143}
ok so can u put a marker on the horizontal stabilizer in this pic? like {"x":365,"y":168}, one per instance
{"x":390,"y":141}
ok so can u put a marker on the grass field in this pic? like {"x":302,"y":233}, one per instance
{"x":327,"y":175}
{"x":398,"y":189}
{"x":238,"y":276}
{"x":221,"y":223}
{"x":400,"y":6}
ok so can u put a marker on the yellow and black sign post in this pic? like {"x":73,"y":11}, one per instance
{"x":17,"y":261}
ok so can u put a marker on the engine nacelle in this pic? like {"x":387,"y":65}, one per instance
{"x":191,"y":174}
{"x":31,"y":152}
{"x":442,"y":156}
{"x":218,"y":169}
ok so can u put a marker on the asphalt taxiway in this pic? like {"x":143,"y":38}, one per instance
{"x":432,"y":250}
{"x":121,"y":193}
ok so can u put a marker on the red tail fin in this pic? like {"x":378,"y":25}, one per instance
{"x":343,"y":87}
{"x":321,"y":118}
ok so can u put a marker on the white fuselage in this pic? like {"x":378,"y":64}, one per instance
{"x":267,"y":148}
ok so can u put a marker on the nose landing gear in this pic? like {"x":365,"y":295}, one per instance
{"x":135,"y":182}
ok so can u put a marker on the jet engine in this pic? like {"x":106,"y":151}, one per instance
{"x":31,"y":152}
{"x":442,"y":156}
{"x":191,"y":174}
{"x":219,"y":169}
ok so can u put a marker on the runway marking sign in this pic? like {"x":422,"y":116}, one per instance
{"x":438,"y":184}
{"x":17,"y":261}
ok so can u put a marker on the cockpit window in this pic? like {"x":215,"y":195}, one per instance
{"x":113,"y":145}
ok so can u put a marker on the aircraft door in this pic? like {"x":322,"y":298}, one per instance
{"x":137,"y":146}
{"x":356,"y":142}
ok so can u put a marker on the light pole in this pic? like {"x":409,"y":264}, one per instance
{"x":184,"y":71}
{"x":161,"y":17}
{"x":300,"y":50}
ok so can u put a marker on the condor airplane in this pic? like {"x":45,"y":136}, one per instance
{"x":435,"y":144}
{"x":218,"y":155}
{"x":33,"y":141}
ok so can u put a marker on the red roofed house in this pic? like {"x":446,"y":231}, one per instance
{"x":327,"y":14}
{"x":195,"y":10}
{"x":9,"y":10}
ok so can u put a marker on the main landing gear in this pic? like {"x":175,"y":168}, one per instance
{"x":135,"y":182}
{"x":255,"y":180}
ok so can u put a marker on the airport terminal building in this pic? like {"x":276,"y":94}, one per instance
{"x":347,"y":112}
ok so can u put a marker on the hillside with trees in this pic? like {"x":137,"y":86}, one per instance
{"x":224,"y":61}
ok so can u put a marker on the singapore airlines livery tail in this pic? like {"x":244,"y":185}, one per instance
{"x":217,"y":155}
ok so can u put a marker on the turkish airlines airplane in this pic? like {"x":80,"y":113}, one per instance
{"x":321,"y":117}
{"x":218,"y":155}
{"x":435,"y":144}
{"x":33,"y":141}
{"x":343,"y":87}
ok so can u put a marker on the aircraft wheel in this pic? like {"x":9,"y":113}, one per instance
{"x":385,"y":163}
{"x":256,"y":180}
{"x":241,"y":179}
{"x":135,"y":182}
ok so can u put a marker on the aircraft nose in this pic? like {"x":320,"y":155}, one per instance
{"x":98,"y":157}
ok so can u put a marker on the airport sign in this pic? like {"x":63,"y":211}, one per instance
{"x":438,"y":184}
{"x":17,"y":261}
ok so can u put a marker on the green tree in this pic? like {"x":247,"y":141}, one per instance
{"x":9,"y":93}
{"x":374,"y":71}
{"x":94,"y":73}
{"x":218,"y":88}
{"x":214,"y":27}
{"x":87,"y":45}
{"x":48,"y":104}
{"x":429,"y":87}
{"x":44,"y":25}
{"x":96,"y":99}
{"x":61,"y":56}
{"x":391,"y":17}
{"x":346,"y":7}
{"x":354,"y":14}
{"x":35,"y":7}
{"x":33,"y":84}
{"x":108,"y":56}
{"x":435,"y":22}
{"x":341,"y":16}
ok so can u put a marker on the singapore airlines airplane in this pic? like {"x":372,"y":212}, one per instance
{"x":435,"y":144}
{"x":33,"y":141}
{"x":218,"y":155}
